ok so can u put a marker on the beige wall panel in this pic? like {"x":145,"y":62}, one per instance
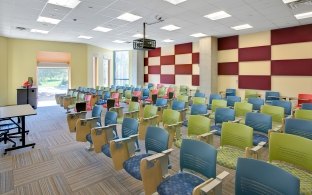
{"x":195,"y":47}
{"x":230,"y":55}
{"x":154,"y":61}
{"x":168,"y":50}
{"x":195,"y":69}
{"x":154,"y":78}
{"x":292,"y":51}
{"x":146,"y":54}
{"x":183,"y":59}
{"x":292,"y":85}
{"x":183,"y":80}
{"x":145,"y":69}
{"x":255,"y":68}
{"x":227,"y":81}
{"x":255,"y":39}
{"x":168,"y":69}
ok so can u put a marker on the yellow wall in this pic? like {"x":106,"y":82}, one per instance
{"x":3,"y":70}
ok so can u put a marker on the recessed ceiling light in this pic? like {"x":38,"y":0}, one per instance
{"x":119,"y":41}
{"x":65,"y":3}
{"x":170,"y":27}
{"x":48,"y":20}
{"x":139,"y":35}
{"x":217,"y":15}
{"x":175,"y":2}
{"x":129,"y":17}
{"x":102,"y":29}
{"x":84,"y":37}
{"x":303,"y":15}
{"x":198,"y":35}
{"x":241,"y":27}
{"x":168,"y":40}
{"x":289,"y":1}
{"x":39,"y":31}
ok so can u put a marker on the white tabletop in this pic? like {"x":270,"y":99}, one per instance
{"x":16,"y":111}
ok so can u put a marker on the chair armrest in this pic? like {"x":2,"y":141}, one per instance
{"x":211,"y":186}
{"x":207,"y":137}
{"x":174,"y":125}
{"x":206,"y":115}
{"x":81,"y":114}
{"x":237,"y":120}
{"x":153,"y":117}
{"x":255,"y":152}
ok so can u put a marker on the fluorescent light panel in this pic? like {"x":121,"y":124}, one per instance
{"x":241,"y":27}
{"x":48,"y":20}
{"x":119,"y":41}
{"x":129,"y":17}
{"x":102,"y":29}
{"x":303,"y":15}
{"x":65,"y":3}
{"x":170,"y":27}
{"x":217,"y":15}
{"x":84,"y":37}
{"x":289,"y":1}
{"x":168,"y":40}
{"x":198,"y":35}
{"x":39,"y":31}
{"x":175,"y":2}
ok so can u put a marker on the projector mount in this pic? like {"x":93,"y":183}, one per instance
{"x":158,"y":20}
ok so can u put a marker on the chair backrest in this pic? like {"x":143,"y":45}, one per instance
{"x":156,"y":139}
{"x":276,"y":112}
{"x":170,"y":116}
{"x":224,"y":115}
{"x":97,"y":111}
{"x":115,"y":95}
{"x":178,"y":105}
{"x":162,"y":91}
{"x":292,"y":149}
{"x":202,"y":160}
{"x":137,"y":94}
{"x":218,"y":104}
{"x":70,"y":92}
{"x":303,"y":114}
{"x":133,"y":106}
{"x":256,"y":103}
{"x":149,"y":111}
{"x":242,"y":108}
{"x":88,"y":97}
{"x":306,"y":106}
{"x":271,"y":95}
{"x":184,"y":89}
{"x":128,"y":94}
{"x":235,"y":134}
{"x":299,"y":127}
{"x":81,"y":97}
{"x":145,"y":92}
{"x":150,"y":85}
{"x":199,"y":100}
{"x":284,"y":104}
{"x":129,"y":127}
{"x":230,"y":92}
{"x":260,"y":177}
{"x":137,"y":89}
{"x":183,"y":98}
{"x":197,"y":109}
{"x":75,"y":94}
{"x":154,"y":91}
{"x":106,"y":95}
{"x":198,"y":125}
{"x":214,"y":96}
{"x":199,"y":94}
{"x":161,"y":102}
{"x":259,"y":122}
{"x":250,"y":93}
{"x":232,"y":99}
{"x":110,"y":118}
{"x":304,"y":98}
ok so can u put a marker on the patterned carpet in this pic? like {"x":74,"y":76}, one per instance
{"x":60,"y":165}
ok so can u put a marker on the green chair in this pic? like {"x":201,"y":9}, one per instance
{"x":172,"y":123}
{"x":277,"y":114}
{"x":150,"y":118}
{"x":251,"y":94}
{"x":293,"y":154}
{"x":133,"y":110}
{"x":184,"y":90}
{"x":303,"y":114}
{"x":128,"y":96}
{"x":241,"y":109}
{"x":162,"y":92}
{"x":199,"y":100}
{"x":216,"y":103}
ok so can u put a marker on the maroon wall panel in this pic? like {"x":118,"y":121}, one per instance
{"x":153,"y":69}
{"x":145,"y":61}
{"x":254,"y":82}
{"x":145,"y":78}
{"x":292,"y":35}
{"x":167,"y":79}
{"x":228,"y":43}
{"x":254,"y":53}
{"x":195,"y":58}
{"x":183,"y":69}
{"x":167,"y":60}
{"x":301,"y":67}
{"x":229,"y":68}
{"x":183,"y":48}
{"x":195,"y":80}
{"x":154,"y":53}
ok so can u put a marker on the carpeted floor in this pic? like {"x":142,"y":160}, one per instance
{"x":60,"y":165}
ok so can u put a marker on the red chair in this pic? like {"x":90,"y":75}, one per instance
{"x":137,"y":94}
{"x":153,"y":92}
{"x":116,"y":97}
{"x":304,"y":98}
{"x":88,"y":98}
{"x":169,"y":90}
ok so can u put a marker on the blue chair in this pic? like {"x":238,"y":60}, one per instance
{"x":256,"y":103}
{"x":213,"y":96}
{"x":284,"y":104}
{"x":199,"y":94}
{"x":299,"y":127}
{"x":230,"y":92}
{"x":137,"y":89}
{"x":160,"y":102}
{"x":156,"y":141}
{"x":231,"y":100}
{"x":97,"y":112}
{"x":178,"y":105}
{"x":105,"y":98}
{"x":145,"y":94}
{"x":150,"y":85}
{"x":222,"y":115}
{"x":261,"y":124}
{"x":259,"y":177}
{"x":270,"y":96}
{"x":184,"y":182}
{"x":306,"y":106}
{"x":197,"y":109}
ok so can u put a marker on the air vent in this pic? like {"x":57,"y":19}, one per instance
{"x":21,"y":28}
{"x":300,"y":3}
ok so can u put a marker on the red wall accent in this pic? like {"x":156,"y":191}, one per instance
{"x":195,"y":80}
{"x":145,"y":61}
{"x":228,"y":43}
{"x":154,"y":53}
{"x":183,"y":48}
{"x":195,"y":58}
{"x":254,"y":53}
{"x":167,"y":60}
{"x":254,"y":82}
{"x":167,"y":79}
{"x":292,"y":35}
{"x":145,"y":78}
{"x":297,"y":67}
{"x":229,"y":68}
{"x":153,"y":69}
{"x":183,"y":69}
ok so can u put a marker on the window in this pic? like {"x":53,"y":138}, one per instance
{"x":121,"y":68}
{"x":103,"y":70}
